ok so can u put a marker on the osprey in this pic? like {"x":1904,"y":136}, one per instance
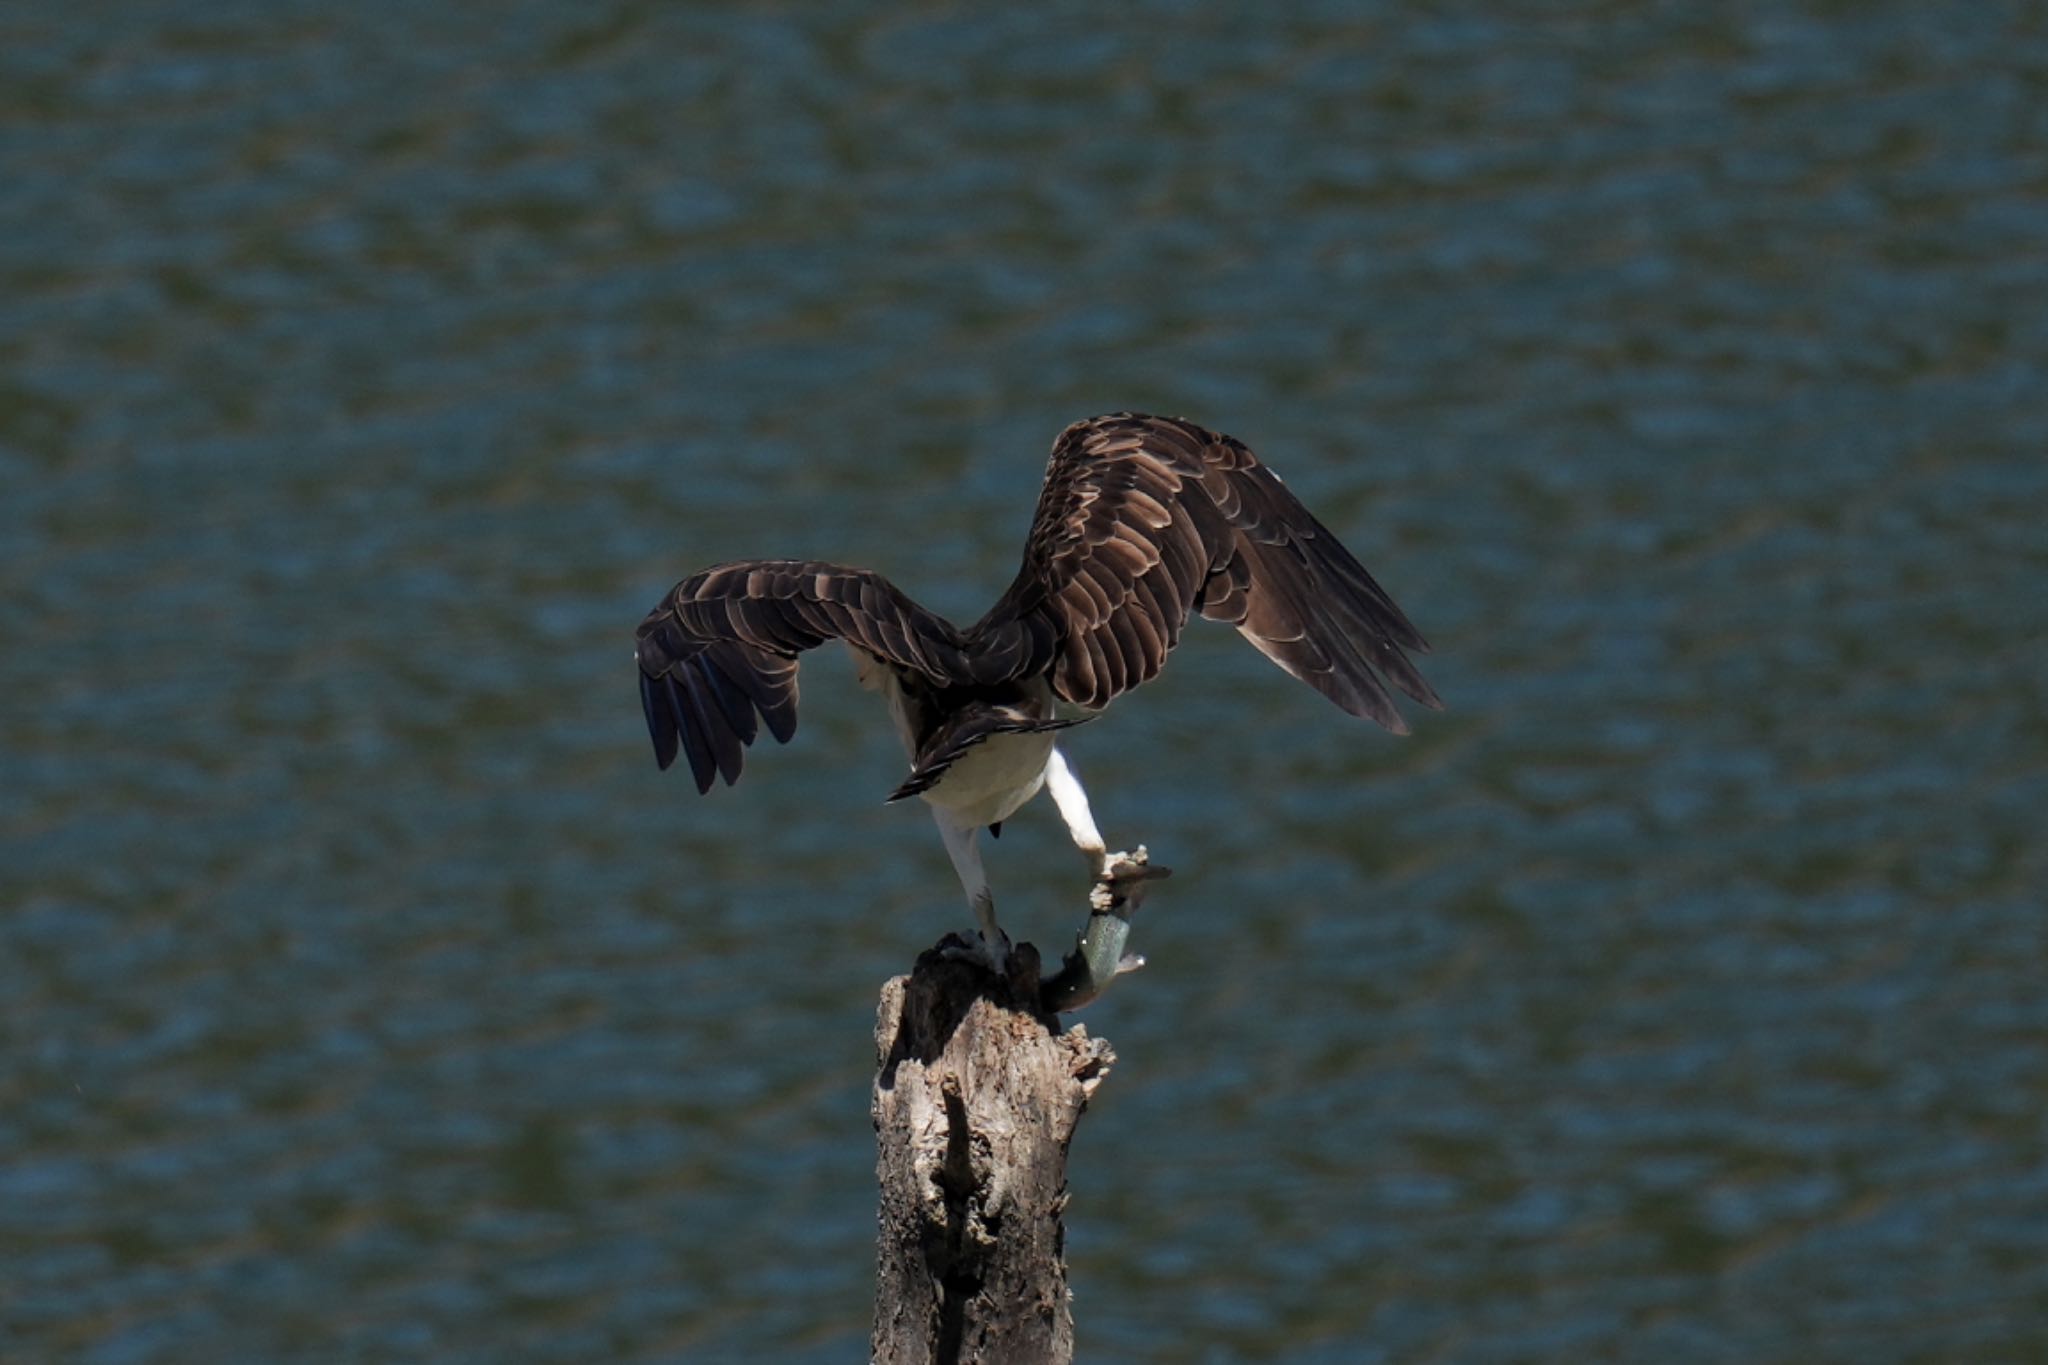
{"x":1142,"y":521}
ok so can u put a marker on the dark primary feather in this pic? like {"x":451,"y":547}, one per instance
{"x":722,"y":647}
{"x":1142,"y":522}
{"x":1145,"y":519}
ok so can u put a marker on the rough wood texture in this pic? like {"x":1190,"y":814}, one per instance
{"x":976,"y":1096}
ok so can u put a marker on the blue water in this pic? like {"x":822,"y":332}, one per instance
{"x":366,"y":372}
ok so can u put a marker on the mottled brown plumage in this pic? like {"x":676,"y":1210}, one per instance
{"x":1142,"y":521}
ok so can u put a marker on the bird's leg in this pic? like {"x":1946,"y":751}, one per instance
{"x":1098,"y":957}
{"x":1073,"y":803}
{"x":965,"y":851}
{"x":1110,"y":870}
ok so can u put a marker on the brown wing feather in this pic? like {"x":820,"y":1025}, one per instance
{"x":1142,"y":521}
{"x":1146,"y":519}
{"x":722,"y":646}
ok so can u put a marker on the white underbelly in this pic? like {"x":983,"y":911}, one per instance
{"x":988,"y":782}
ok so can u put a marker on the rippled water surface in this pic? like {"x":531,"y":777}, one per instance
{"x":366,"y":371}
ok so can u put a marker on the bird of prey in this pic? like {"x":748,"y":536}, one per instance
{"x":1142,"y":521}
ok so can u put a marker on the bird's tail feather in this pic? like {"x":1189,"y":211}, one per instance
{"x":971,"y":725}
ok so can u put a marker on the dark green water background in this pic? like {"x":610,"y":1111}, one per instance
{"x":366,"y":370}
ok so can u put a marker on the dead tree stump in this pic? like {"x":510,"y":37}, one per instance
{"x":977,"y":1093}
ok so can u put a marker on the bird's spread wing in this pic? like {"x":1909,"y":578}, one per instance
{"x":722,"y":646}
{"x":1144,"y":520}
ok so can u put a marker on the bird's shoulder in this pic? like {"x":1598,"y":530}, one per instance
{"x":1128,"y":470}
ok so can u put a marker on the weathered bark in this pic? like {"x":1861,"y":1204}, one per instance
{"x":976,"y":1097}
